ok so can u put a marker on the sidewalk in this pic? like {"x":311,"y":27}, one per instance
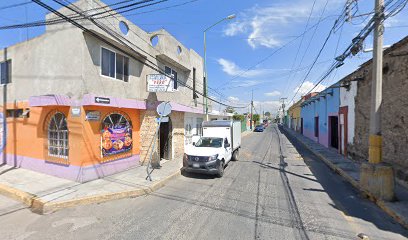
{"x":45,"y":193}
{"x":350,"y":170}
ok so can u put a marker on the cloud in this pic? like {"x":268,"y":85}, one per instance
{"x":267,"y":106}
{"x":272,"y":94}
{"x":235,"y":28}
{"x":264,"y":25}
{"x":233,"y":69}
{"x":233,"y":99}
{"x":246,"y":83}
{"x":307,"y":86}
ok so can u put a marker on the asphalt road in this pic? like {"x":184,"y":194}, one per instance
{"x":276,"y":190}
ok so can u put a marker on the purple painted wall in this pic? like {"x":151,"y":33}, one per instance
{"x":74,"y":173}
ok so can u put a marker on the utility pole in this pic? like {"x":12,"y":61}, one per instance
{"x":376,"y":176}
{"x":5,"y":79}
{"x":252,"y":106}
{"x":283,"y":109}
{"x":376,"y":85}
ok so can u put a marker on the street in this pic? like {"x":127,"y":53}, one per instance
{"x":264,"y":195}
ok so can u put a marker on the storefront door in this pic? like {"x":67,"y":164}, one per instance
{"x":165,"y":140}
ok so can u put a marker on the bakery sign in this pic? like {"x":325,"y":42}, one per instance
{"x":159,"y":83}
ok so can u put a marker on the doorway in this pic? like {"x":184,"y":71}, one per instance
{"x":334,"y":131}
{"x":301,"y":126}
{"x":165,"y":140}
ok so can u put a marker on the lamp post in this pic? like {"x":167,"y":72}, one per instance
{"x":232,"y":16}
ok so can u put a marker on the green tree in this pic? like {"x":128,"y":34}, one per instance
{"x":256,"y":118}
{"x":238,"y":117}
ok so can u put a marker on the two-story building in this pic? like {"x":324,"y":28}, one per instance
{"x":81,"y":103}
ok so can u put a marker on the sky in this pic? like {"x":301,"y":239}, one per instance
{"x":260,"y":51}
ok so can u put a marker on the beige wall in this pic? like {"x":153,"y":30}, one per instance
{"x":394,"y":110}
{"x":66,"y":61}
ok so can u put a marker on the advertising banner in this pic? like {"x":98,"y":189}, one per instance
{"x":159,"y":83}
{"x":116,"y":140}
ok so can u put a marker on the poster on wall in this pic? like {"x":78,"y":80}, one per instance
{"x":116,"y":139}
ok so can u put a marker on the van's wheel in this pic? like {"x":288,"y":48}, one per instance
{"x":235,"y":155}
{"x":221,"y":169}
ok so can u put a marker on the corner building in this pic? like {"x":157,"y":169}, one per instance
{"x":77,"y":105}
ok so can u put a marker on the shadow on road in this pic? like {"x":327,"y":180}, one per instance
{"x":197,"y":175}
{"x":344,"y":196}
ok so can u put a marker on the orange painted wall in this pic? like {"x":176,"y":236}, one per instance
{"x":28,"y":136}
{"x":92,"y":134}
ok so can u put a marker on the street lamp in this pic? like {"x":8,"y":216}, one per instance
{"x":232,"y":16}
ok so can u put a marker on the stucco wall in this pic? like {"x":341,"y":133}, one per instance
{"x":323,"y":108}
{"x":66,"y":61}
{"x":347,"y":99}
{"x":394,"y":110}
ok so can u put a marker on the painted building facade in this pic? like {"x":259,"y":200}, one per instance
{"x":77,"y":104}
{"x":294,"y":116}
{"x":347,"y":114}
{"x":349,"y":101}
{"x":320,"y":116}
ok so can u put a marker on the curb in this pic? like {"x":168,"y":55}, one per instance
{"x":380,"y":203}
{"x":16,"y":194}
{"x":40,"y":206}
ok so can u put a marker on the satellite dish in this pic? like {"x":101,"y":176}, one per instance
{"x":163,"y":109}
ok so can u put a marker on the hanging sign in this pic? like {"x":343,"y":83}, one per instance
{"x":159,"y":83}
{"x":163,"y":120}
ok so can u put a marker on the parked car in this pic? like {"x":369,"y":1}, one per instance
{"x":219,"y":144}
{"x":259,"y":128}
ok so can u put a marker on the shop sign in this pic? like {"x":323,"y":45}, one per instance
{"x":117,"y":139}
{"x":76,"y":111}
{"x":93,"y":116}
{"x":102,"y":100}
{"x":164,"y":119}
{"x":159,"y":83}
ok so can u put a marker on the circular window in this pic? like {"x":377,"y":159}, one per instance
{"x":179,"y":50}
{"x":124,"y":28}
{"x":154,"y":40}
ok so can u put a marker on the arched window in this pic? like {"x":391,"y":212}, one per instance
{"x":116,"y":134}
{"x":58,"y":136}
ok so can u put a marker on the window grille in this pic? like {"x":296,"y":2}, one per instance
{"x":58,"y":145}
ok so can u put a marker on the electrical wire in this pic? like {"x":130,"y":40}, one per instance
{"x":395,"y":8}
{"x":136,"y":56}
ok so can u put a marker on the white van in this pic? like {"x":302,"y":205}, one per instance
{"x":220,"y":142}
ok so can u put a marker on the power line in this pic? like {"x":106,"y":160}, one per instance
{"x":300,"y":45}
{"x":361,"y":36}
{"x":272,"y":53}
{"x":317,"y":57}
{"x":53,"y":21}
{"x":310,"y":41}
{"x":151,"y":65}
